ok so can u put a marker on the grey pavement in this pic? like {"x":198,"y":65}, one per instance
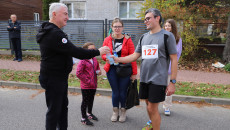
{"x":22,"y":109}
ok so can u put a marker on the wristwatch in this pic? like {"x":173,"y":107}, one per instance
{"x":173,"y":81}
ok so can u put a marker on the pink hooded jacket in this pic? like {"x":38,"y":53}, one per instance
{"x":86,"y":72}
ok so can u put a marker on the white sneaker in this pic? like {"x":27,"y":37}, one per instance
{"x":218,"y":65}
{"x":167,"y":111}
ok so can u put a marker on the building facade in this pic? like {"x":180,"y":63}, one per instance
{"x":102,"y":9}
{"x":24,"y":9}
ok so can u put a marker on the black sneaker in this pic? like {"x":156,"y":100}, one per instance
{"x":86,"y":122}
{"x":19,"y":60}
{"x":91,"y":116}
{"x":15,"y":59}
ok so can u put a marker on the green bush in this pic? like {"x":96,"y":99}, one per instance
{"x":190,"y":45}
{"x":227,"y":67}
{"x":204,"y":40}
{"x":45,"y":8}
{"x":217,"y":40}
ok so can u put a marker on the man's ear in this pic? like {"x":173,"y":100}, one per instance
{"x":54,"y":13}
{"x":158,"y":18}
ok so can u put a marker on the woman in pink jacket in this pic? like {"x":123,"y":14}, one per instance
{"x":87,"y":71}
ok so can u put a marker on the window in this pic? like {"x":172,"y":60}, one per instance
{"x":76,"y":10}
{"x":210,"y":29}
{"x":69,"y":5}
{"x":36,"y":17}
{"x":129,"y":9}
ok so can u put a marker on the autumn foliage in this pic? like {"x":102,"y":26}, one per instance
{"x":189,"y":14}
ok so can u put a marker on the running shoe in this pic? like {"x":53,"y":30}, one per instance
{"x":86,"y":122}
{"x":91,"y":116}
{"x":148,"y":125}
{"x":167,"y":111}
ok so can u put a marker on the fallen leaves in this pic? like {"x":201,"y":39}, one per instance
{"x":201,"y":104}
{"x":200,"y":65}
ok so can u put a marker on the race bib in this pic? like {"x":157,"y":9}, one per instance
{"x":149,"y":51}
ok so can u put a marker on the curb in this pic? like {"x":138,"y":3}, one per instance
{"x":108,"y":92}
{"x":104,"y":92}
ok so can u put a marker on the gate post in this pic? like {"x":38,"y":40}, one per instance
{"x":106,"y":33}
{"x":11,"y":46}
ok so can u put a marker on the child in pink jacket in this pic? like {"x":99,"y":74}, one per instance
{"x":87,"y":71}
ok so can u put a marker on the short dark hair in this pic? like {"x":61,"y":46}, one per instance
{"x":87,"y":44}
{"x":155,"y":13}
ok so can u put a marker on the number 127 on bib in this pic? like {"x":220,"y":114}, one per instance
{"x":149,"y":51}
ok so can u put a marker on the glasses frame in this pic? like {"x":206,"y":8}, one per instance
{"x":148,"y":18}
{"x":117,"y":27}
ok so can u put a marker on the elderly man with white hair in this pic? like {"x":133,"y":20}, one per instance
{"x":56,"y":64}
{"x":14,"y":29}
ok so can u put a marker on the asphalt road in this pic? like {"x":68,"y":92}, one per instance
{"x":24,"y":109}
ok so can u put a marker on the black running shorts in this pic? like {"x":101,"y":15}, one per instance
{"x":154,"y":93}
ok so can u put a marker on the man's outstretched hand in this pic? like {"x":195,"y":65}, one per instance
{"x":104,"y":50}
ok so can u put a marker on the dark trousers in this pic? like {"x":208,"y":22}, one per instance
{"x":87,"y":101}
{"x":16,"y":42}
{"x":119,"y":87}
{"x":56,"y":100}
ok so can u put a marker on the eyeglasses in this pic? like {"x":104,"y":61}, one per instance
{"x":148,"y":18}
{"x":117,"y":27}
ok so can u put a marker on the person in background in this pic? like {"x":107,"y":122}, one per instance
{"x":123,"y":46}
{"x":14,"y":29}
{"x":87,"y":71}
{"x":170,"y":25}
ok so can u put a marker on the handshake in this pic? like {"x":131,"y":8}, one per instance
{"x":111,"y":59}
{"x":104,"y":50}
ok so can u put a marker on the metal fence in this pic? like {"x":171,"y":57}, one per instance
{"x":28,"y":31}
{"x":82,"y":31}
{"x":135,"y":28}
{"x":78,"y":31}
{"x":4,"y":36}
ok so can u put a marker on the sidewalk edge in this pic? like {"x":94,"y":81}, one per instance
{"x":108,"y":92}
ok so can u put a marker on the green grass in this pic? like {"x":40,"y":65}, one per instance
{"x":182,"y":88}
{"x":32,"y":77}
{"x":24,"y":57}
{"x":19,"y":76}
{"x":202,"y":89}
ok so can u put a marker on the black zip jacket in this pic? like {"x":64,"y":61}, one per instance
{"x":14,"y":32}
{"x":57,"y":51}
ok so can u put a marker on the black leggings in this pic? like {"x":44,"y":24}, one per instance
{"x":87,"y":101}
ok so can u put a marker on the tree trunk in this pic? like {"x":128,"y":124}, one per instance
{"x":226,"y":53}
